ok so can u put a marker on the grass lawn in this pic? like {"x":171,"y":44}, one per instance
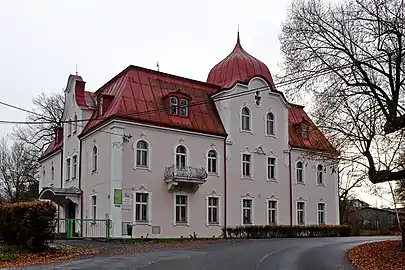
{"x":14,"y":257}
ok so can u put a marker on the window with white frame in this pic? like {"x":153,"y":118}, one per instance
{"x":300,"y":172}
{"x":212,"y":161}
{"x":245,"y":118}
{"x":272,"y":212}
{"x":74,"y":161}
{"x":174,"y":102}
{"x":301,"y":213}
{"x":270,"y":123}
{"x":52,"y":173}
{"x":181,"y":157}
{"x":246,"y":165}
{"x":319,"y":174}
{"x":247,"y":211}
{"x":94,"y":158}
{"x":94,"y":206}
{"x":181,"y":208}
{"x":271,"y":168}
{"x":67,"y":169}
{"x":184,"y":107}
{"x":213,"y":210}
{"x":75,"y":124}
{"x":141,"y":207}
{"x":321,"y":213}
{"x":142,"y":154}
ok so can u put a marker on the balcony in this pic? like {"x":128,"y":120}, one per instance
{"x":188,"y":178}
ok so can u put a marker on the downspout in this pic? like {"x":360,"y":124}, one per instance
{"x":291,"y":185}
{"x":225,"y":189}
{"x":80,"y":185}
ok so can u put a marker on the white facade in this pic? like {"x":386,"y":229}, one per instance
{"x":252,"y":176}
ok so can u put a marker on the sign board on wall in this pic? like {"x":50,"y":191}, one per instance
{"x":117,"y":196}
{"x":127,"y":201}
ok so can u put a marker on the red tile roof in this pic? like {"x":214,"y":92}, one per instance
{"x":316,"y":139}
{"x":55,"y":145}
{"x":238,"y":66}
{"x":138,"y":96}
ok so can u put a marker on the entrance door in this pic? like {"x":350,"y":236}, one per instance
{"x":72,"y":214}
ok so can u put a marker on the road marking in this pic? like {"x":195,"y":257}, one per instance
{"x":265,"y":257}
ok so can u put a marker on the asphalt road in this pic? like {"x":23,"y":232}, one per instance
{"x":269,"y":254}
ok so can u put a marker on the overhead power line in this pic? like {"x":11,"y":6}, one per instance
{"x":224,"y":97}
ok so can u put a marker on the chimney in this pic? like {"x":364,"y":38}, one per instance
{"x":79,"y":89}
{"x":58,"y":134}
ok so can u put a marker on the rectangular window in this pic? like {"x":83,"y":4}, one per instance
{"x":181,"y":209}
{"x":300,"y":213}
{"x":246,"y":165}
{"x":74,"y":172}
{"x":68,"y":169}
{"x":247,"y":211}
{"x":272,"y":208}
{"x":271,"y":168}
{"x":213,"y":210}
{"x":141,"y":207}
{"x":94,"y":206}
{"x":321,"y":213}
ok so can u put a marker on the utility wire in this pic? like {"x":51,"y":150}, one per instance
{"x":224,"y":97}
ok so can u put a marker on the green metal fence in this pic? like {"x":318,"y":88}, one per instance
{"x":83,"y":228}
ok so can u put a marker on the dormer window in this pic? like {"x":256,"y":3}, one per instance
{"x":174,"y":103}
{"x":184,"y":107}
{"x":304,"y":130}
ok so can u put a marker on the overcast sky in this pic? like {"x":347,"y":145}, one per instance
{"x":42,"y":41}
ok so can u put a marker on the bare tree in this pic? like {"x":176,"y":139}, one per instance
{"x":350,"y":178}
{"x":49,"y":110}
{"x":350,"y":56}
{"x":18,"y":172}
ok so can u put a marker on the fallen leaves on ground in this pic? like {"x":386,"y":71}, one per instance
{"x":49,"y":256}
{"x":385,"y":255}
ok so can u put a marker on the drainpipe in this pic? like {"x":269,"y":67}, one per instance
{"x":291,"y":185}
{"x":80,"y":185}
{"x":225,"y":188}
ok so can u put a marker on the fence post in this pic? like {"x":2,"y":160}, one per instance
{"x":107,"y":228}
{"x":69,"y":227}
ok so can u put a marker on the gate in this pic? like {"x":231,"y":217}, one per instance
{"x":83,"y":228}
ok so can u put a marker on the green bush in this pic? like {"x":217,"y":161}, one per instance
{"x":6,"y":253}
{"x":28,"y":224}
{"x":286,"y":231}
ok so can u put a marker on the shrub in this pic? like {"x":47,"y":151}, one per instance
{"x":28,"y":224}
{"x":286,"y":231}
{"x":6,"y":253}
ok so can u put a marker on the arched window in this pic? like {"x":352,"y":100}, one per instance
{"x":212,"y":161}
{"x":300,"y":172}
{"x":270,"y":124}
{"x":142,"y":154}
{"x":174,"y":102}
{"x":184,"y":107}
{"x":95,"y":158}
{"x":75,"y":124}
{"x":245,"y":119}
{"x":181,"y":155}
{"x":319,"y":174}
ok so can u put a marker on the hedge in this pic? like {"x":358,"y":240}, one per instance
{"x":28,"y":224}
{"x":286,"y":231}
